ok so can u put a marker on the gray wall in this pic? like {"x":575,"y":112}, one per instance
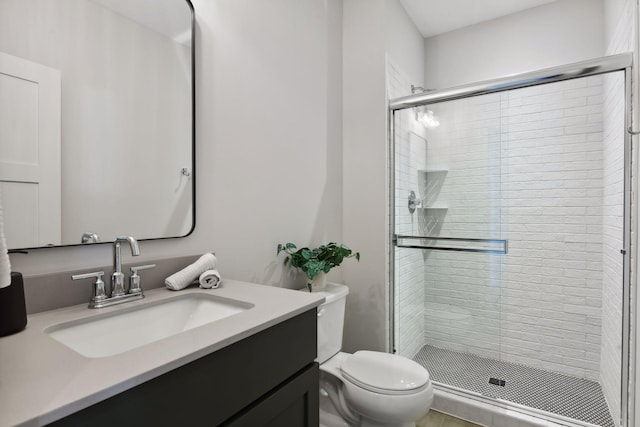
{"x":537,"y":38}
{"x":269,"y":140}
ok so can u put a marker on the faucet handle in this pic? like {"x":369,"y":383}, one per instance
{"x":98,"y":293}
{"x":134,"y":279}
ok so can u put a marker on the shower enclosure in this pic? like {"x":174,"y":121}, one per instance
{"x":510,"y":232}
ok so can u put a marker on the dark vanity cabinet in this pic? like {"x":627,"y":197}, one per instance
{"x":267,"y":379}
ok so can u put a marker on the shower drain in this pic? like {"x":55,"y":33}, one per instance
{"x":497,"y":381}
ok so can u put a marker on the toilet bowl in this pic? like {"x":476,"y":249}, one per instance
{"x":367,"y":388}
{"x":376,"y":389}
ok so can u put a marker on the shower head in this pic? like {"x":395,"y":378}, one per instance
{"x":426,"y":117}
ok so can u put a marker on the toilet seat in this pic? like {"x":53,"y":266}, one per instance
{"x":384,"y":373}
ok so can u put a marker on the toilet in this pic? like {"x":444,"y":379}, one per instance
{"x":367,"y":388}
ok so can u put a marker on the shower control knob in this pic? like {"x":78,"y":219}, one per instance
{"x":413,"y":202}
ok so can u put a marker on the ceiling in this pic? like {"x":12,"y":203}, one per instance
{"x":433,"y":17}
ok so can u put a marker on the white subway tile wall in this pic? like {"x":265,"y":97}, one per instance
{"x":409,"y":271}
{"x":526,"y":166}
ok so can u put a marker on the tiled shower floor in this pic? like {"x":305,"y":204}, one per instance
{"x":560,"y":394}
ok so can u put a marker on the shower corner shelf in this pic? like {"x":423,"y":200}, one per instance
{"x":433,"y":171}
{"x":434,"y":208}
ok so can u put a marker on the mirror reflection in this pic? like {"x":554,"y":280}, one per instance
{"x":96,"y":120}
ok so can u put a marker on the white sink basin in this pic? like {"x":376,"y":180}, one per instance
{"x":132,"y":327}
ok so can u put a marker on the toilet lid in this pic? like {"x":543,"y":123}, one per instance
{"x":384,"y":373}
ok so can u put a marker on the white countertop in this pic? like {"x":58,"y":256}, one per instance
{"x":42,"y":380}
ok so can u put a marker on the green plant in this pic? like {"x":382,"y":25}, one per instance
{"x":314,"y":261}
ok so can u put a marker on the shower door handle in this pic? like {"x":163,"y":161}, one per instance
{"x":457,"y":244}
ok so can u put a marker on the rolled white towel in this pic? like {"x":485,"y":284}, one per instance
{"x":187,"y":275}
{"x":210,"y":279}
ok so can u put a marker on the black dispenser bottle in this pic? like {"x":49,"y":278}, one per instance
{"x":13,"y":310}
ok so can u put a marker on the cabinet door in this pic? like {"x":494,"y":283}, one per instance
{"x":293,"y":404}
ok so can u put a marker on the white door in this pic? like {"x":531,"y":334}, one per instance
{"x":30,"y":152}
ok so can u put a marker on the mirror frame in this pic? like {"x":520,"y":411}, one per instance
{"x":193,"y":155}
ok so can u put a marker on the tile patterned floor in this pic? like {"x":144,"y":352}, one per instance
{"x":561,"y":394}
{"x":438,"y":419}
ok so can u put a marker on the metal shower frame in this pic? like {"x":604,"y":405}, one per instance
{"x":621,"y":62}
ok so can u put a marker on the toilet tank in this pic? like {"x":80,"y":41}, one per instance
{"x":331,"y":321}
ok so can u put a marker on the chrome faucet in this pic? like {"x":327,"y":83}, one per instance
{"x":117,"y":278}
{"x":99,"y":297}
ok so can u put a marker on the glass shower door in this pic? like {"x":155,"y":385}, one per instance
{"x":509,"y":219}
{"x":448,"y":238}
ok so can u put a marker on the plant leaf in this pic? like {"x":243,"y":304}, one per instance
{"x":313,"y":261}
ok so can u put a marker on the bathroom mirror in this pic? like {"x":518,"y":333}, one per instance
{"x":96,"y":120}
